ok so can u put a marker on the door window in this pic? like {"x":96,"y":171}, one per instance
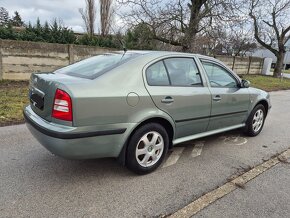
{"x":156,"y":75}
{"x":183,"y":72}
{"x":218,"y":76}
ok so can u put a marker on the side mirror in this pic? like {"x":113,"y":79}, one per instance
{"x":245,"y":83}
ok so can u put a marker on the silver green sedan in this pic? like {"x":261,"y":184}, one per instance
{"x":136,"y":105}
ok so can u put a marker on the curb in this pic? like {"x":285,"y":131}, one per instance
{"x":204,"y":201}
{"x":12,"y":123}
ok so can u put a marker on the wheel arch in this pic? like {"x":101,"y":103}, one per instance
{"x":265,"y":104}
{"x":160,"y":120}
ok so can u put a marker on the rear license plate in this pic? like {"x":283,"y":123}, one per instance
{"x":36,"y":100}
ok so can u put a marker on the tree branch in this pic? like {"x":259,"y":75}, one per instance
{"x":257,"y":37}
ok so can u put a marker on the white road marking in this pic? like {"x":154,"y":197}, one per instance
{"x":197,"y":149}
{"x":234,"y":139}
{"x":174,"y":156}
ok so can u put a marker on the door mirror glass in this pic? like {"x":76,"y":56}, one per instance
{"x":245,"y":83}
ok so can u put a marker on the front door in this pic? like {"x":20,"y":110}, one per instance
{"x":176,"y":87}
{"x":230,"y":103}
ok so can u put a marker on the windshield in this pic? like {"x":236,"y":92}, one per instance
{"x":96,"y":66}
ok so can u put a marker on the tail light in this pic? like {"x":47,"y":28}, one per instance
{"x":62,"y":106}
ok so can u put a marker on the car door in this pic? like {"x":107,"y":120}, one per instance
{"x":230,"y":103}
{"x":176,"y":87}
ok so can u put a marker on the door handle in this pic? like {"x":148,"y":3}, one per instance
{"x":217,"y":98}
{"x":167,"y":100}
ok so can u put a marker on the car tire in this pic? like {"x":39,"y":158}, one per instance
{"x":147,"y":148}
{"x":256,"y":120}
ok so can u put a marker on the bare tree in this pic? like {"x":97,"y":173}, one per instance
{"x":272,"y":27}
{"x":89,"y":16}
{"x":4,"y":16}
{"x":175,"y":22}
{"x":106,"y":13}
{"x":232,"y":38}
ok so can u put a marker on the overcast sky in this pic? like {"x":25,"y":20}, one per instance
{"x":46,"y":10}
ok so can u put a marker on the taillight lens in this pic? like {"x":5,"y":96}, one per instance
{"x":62,"y":106}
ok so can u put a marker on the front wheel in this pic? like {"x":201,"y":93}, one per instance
{"x":147,"y":148}
{"x":256,"y":121}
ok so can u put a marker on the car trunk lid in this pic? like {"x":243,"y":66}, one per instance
{"x":42,"y":91}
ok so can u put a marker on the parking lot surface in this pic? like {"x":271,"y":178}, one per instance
{"x":36,"y":183}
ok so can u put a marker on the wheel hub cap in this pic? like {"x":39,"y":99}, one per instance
{"x":149,"y":149}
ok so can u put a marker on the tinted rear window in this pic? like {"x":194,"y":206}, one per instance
{"x":96,"y":66}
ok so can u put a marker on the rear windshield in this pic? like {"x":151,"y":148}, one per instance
{"x":96,"y":66}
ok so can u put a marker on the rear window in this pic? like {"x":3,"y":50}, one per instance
{"x":96,"y":66}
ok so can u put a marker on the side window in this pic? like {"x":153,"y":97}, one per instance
{"x":218,"y":76}
{"x":183,"y":72}
{"x":156,"y":75}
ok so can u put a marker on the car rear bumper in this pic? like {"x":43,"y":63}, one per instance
{"x":78,"y":142}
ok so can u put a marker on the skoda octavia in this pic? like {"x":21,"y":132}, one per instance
{"x":136,"y":105}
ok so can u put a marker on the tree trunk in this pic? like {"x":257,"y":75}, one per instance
{"x":279,"y":64}
{"x":189,"y":43}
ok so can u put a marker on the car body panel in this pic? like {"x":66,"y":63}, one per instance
{"x":189,"y":106}
{"x":233,"y":106}
{"x":258,"y":95}
{"x":79,"y":147}
{"x":232,"y":109}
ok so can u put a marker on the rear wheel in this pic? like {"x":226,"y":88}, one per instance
{"x":147,"y":148}
{"x":256,"y":121}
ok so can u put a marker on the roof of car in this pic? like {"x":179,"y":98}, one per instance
{"x":155,"y":52}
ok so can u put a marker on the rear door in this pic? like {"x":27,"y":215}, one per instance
{"x":176,"y":87}
{"x":230,"y":103}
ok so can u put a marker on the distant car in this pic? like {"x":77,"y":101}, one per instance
{"x":136,"y":105}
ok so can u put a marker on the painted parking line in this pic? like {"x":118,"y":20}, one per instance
{"x":210,"y":197}
{"x":234,"y":140}
{"x":196,"y":151}
{"x":174,"y":156}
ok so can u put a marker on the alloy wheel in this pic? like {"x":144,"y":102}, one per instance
{"x":149,"y":149}
{"x":258,"y":120}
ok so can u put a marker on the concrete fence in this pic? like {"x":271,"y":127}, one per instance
{"x":18,"y":59}
{"x":243,"y":65}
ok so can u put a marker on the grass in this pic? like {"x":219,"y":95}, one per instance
{"x":268,"y":83}
{"x":13,"y":97}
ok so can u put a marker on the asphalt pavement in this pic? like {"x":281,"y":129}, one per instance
{"x":265,"y":196}
{"x":35,"y":183}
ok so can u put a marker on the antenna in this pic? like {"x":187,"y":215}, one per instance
{"x":121,"y":42}
{"x":124,"y":48}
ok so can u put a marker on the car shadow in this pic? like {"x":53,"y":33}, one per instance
{"x":96,"y":168}
{"x":212,"y":138}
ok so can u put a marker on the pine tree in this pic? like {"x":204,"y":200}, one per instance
{"x":55,"y":31}
{"x":16,"y":20}
{"x":4,"y":17}
{"x":46,"y":32}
